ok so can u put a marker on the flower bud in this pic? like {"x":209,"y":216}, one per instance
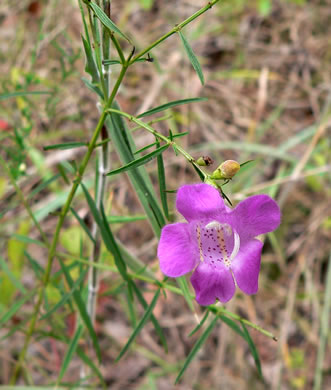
{"x":204,"y":161}
{"x":226,"y":170}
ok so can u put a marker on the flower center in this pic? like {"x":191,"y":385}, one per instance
{"x":218,"y":243}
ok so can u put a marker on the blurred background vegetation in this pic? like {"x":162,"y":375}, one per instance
{"x":267,"y":74}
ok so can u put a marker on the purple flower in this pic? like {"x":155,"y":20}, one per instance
{"x":217,"y":242}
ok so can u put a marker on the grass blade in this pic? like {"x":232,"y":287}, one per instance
{"x":155,"y":322}
{"x":200,"y":324}
{"x":66,"y":296}
{"x":23,"y":93}
{"x":168,"y":105}
{"x":140,"y":325}
{"x":193,"y":59}
{"x":82,"y":309}
{"x":15,"y":308}
{"x":106,"y":21}
{"x":83,"y":225}
{"x":196,"y":348}
{"x":70,"y":352}
{"x":68,"y":145}
{"x":162,"y":183}
{"x":139,"y":161}
{"x":253,"y":350}
{"x":182,"y":283}
{"x":139,"y":178}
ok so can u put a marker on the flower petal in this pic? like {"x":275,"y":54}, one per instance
{"x":246,"y":266}
{"x":177,"y":251}
{"x":210,"y":283}
{"x":255,"y":215}
{"x":198,"y":201}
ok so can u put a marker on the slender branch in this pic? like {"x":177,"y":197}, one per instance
{"x":64,"y":211}
{"x":162,"y":137}
{"x":174,"y":30}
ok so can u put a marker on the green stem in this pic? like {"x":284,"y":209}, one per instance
{"x":23,"y":200}
{"x":64,"y":211}
{"x":174,"y":30}
{"x":162,"y":137}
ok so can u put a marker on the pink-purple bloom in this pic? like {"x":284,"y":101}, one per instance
{"x":217,"y":242}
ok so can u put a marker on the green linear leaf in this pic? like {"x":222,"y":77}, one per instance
{"x":90,"y":66}
{"x":145,"y":147}
{"x":43,"y":185}
{"x":193,"y":59}
{"x":107,"y":236}
{"x":70,"y":351}
{"x":23,"y":93}
{"x":125,"y":219}
{"x":66,"y":296}
{"x":67,"y":145}
{"x":253,"y":350}
{"x":200,"y":324}
{"x":83,"y":225}
{"x":82,"y":309}
{"x":90,"y":363}
{"x":231,"y":324}
{"x":196,"y":348}
{"x":140,"y":325}
{"x":111,"y":62}
{"x":106,"y":21}
{"x":182,"y":282}
{"x":162,"y":182}
{"x":15,"y":308}
{"x":16,"y":282}
{"x":124,"y":145}
{"x":139,"y":161}
{"x":155,"y":322}
{"x":171,"y":104}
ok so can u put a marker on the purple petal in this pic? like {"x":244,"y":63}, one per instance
{"x":199,"y":201}
{"x":210,"y":283}
{"x":177,"y":251}
{"x":255,"y":215}
{"x":246,"y":266}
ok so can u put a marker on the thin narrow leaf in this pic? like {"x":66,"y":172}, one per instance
{"x":253,"y":350}
{"x":162,"y":183}
{"x":27,"y":240}
{"x":15,"y":308}
{"x":23,"y":93}
{"x":196,"y":348}
{"x":66,"y":296}
{"x":140,"y":325}
{"x":125,"y":219}
{"x":92,"y":87}
{"x":231,"y":324}
{"x":107,"y":236}
{"x":90,"y":66}
{"x":193,"y":59}
{"x":124,"y":145}
{"x":200,"y":323}
{"x":82,"y":310}
{"x":36,"y":267}
{"x":182,"y":283}
{"x":155,"y":322}
{"x":168,"y":105}
{"x":67,"y":145}
{"x":106,"y":21}
{"x":90,"y":363}
{"x":111,"y":62}
{"x":83,"y":225}
{"x":246,"y":162}
{"x":145,"y":147}
{"x":43,"y":185}
{"x":16,"y":282}
{"x":139,"y":161}
{"x":70,"y":352}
